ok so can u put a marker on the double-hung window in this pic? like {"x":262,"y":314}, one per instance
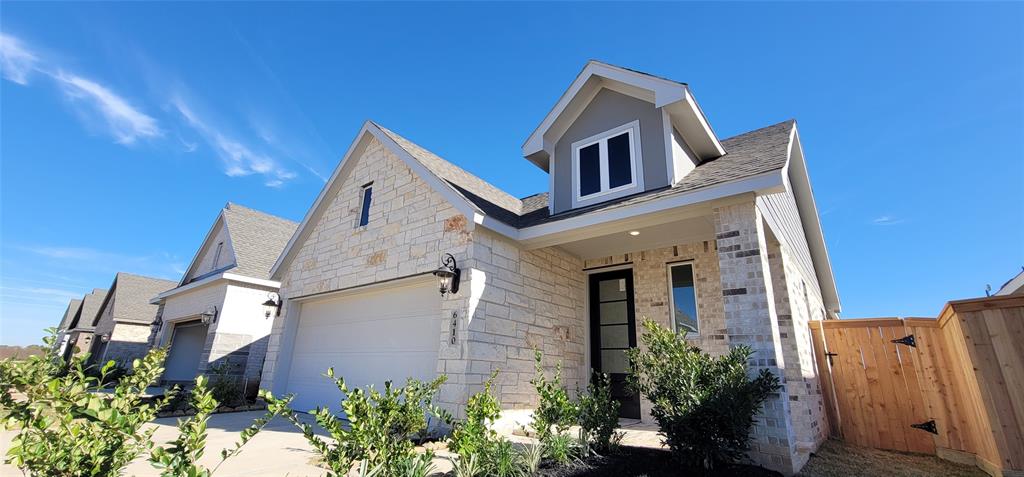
{"x":683,"y":298}
{"x":607,"y":162}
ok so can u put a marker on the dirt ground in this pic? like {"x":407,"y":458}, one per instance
{"x":837,"y":459}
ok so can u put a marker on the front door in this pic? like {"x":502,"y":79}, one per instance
{"x":612,"y":332}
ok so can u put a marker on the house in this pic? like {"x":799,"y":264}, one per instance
{"x":63,"y":338}
{"x":123,"y":324}
{"x":647,"y":213}
{"x":1013,"y":286}
{"x":215,"y":318}
{"x":80,"y":330}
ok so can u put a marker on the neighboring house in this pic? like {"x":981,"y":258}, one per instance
{"x":123,"y":325}
{"x":1013,"y":286}
{"x":647,"y":214}
{"x":80,"y":330}
{"x":215,"y":317}
{"x":63,"y":338}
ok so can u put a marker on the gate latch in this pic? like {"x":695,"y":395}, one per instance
{"x":907,"y":340}
{"x":926,"y":426}
{"x":829,"y":355}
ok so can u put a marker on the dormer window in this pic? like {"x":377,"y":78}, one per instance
{"x":606,"y":163}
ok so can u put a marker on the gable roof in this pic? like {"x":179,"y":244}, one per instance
{"x":257,"y":239}
{"x":69,"y":314}
{"x":130,"y":295}
{"x":90,"y":307}
{"x":672,"y":97}
{"x":750,"y":154}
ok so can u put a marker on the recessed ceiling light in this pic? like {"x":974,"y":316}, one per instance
{"x":634,"y":232}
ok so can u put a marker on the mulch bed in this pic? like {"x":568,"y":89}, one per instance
{"x":641,"y":461}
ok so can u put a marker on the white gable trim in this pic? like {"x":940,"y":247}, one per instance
{"x":641,"y":85}
{"x":331,"y":188}
{"x":202,"y":246}
{"x":213,"y":279}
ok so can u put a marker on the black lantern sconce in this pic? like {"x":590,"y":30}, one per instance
{"x":272,"y":305}
{"x":448,"y":275}
{"x":209,"y":316}
{"x":104,"y":338}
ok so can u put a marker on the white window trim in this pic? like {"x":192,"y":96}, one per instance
{"x":635,"y":161}
{"x":672,"y":299}
{"x":362,"y":197}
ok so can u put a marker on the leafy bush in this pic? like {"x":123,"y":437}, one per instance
{"x":599,"y":415}
{"x":473,"y":435}
{"x":66,"y":425}
{"x":704,"y":406}
{"x":379,"y":429}
{"x":225,"y":388}
{"x":556,"y":412}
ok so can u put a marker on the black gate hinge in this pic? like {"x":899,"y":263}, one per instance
{"x":829,"y":355}
{"x":907,"y":340}
{"x":926,"y":426}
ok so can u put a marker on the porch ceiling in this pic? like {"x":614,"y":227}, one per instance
{"x":693,"y":229}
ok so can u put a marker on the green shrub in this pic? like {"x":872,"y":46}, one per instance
{"x":473,"y":435}
{"x":556,"y":412}
{"x":599,"y":415}
{"x":224,"y":387}
{"x":66,"y":425}
{"x":704,"y":406}
{"x":379,"y":427}
{"x":504,"y":461}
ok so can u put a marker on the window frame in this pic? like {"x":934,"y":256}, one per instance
{"x":216,"y":255}
{"x":672,"y":298}
{"x":363,"y":207}
{"x":632,"y":128}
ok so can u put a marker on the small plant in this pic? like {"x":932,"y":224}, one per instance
{"x":467,"y":466}
{"x":704,"y":406}
{"x":531,"y":457}
{"x":416,"y":465}
{"x":224,"y":386}
{"x":473,"y":436}
{"x":556,"y":412}
{"x":379,"y":427}
{"x":66,"y":424}
{"x":599,"y":415}
{"x":504,"y":461}
{"x":563,"y":449}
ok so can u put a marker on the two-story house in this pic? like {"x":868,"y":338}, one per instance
{"x":648,"y":213}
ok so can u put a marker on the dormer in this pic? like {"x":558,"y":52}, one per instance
{"x":617,"y":132}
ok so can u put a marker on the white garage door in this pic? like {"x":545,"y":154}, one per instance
{"x":367,"y":338}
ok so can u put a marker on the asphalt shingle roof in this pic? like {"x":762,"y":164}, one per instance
{"x":73,"y":306}
{"x":131,"y":295}
{"x":257,"y":238}
{"x":748,"y":154}
{"x":90,"y":306}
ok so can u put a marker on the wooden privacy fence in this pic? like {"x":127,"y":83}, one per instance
{"x":952,"y":386}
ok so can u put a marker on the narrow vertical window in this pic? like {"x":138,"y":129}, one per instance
{"x":216,"y":255}
{"x":683,"y":297}
{"x":364,"y":207}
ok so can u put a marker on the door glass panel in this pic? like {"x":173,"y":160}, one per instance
{"x":615,"y":336}
{"x":609,"y":290}
{"x":614,"y":312}
{"x":590,"y":169}
{"x":620,"y":169}
{"x":614,"y":361}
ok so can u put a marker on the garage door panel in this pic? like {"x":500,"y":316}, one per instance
{"x":368,"y":339}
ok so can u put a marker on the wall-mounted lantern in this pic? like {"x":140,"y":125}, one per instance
{"x":104,"y":338}
{"x":210,"y":315}
{"x":272,"y":305}
{"x":448,"y":275}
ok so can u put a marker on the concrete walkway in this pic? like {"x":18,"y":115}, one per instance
{"x":280,"y":449}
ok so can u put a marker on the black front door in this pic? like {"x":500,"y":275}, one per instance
{"x":612,"y":332}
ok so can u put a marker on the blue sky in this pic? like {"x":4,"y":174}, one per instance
{"x":125,"y":127}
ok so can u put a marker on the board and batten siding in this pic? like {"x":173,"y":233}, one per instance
{"x":783,"y":217}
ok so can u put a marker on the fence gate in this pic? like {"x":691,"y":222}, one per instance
{"x":874,"y":384}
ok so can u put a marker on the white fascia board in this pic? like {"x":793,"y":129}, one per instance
{"x":214,"y":279}
{"x":456,"y":199}
{"x":690,"y":100}
{"x":665,"y":92}
{"x":199,"y":251}
{"x":761,"y":183}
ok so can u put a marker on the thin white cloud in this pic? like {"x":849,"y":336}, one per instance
{"x":159,"y":264}
{"x":887,"y":220}
{"x":16,"y":60}
{"x":125,"y":122}
{"x":239,"y":159}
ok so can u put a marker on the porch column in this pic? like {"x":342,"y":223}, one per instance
{"x":751,"y":319}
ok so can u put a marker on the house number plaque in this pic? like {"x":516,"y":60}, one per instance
{"x":455,"y":325}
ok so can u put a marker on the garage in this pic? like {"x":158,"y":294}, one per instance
{"x":368,"y":338}
{"x":187,"y":344}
